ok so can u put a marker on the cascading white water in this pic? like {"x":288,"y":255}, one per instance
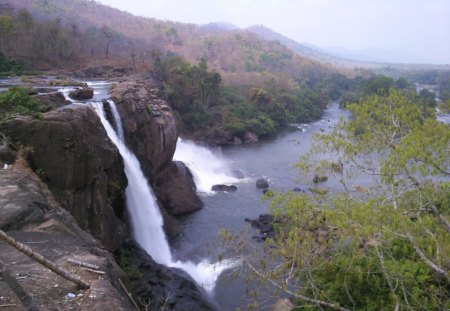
{"x":207,"y":167}
{"x":145,"y":217}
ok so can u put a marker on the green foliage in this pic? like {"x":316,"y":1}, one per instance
{"x":383,"y":251}
{"x":9,"y":66}
{"x":427,"y":97}
{"x":17,"y":101}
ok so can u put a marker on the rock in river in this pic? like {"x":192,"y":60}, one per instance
{"x":262,"y":184}
{"x":227,"y":188}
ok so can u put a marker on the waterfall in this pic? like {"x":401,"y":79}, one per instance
{"x":145,"y":217}
{"x":207,"y":167}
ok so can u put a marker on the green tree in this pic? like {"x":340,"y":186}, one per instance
{"x":6,"y":33}
{"x":383,"y":247}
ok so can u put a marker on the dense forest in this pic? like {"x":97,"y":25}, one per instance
{"x":222,"y":82}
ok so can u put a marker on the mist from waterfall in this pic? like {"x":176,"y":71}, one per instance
{"x":208,"y":167}
{"x":145,"y":217}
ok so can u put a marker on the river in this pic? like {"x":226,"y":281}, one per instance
{"x":272,"y":159}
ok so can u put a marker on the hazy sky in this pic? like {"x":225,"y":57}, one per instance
{"x":420,"y":28}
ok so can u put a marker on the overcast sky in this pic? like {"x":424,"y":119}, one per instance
{"x":420,"y":28}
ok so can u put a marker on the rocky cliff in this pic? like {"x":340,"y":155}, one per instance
{"x":151,"y":132}
{"x":71,"y":152}
{"x":30,"y":214}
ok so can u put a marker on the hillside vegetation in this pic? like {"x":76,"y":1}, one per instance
{"x":222,"y":81}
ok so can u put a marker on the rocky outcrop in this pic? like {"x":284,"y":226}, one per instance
{"x":70,"y":151}
{"x":30,"y":214}
{"x":7,"y":154}
{"x":225,"y":188}
{"x":174,"y":191}
{"x":151,"y":132}
{"x":250,"y":137}
{"x":262,"y":184}
{"x":162,"y":287}
{"x":52,"y":100}
{"x":264,"y":223}
{"x":82,"y":94}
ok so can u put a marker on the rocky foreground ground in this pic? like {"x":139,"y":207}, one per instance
{"x":30,"y":215}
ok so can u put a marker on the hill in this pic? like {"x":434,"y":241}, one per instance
{"x":225,"y":84}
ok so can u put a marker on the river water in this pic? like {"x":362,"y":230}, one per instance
{"x":272,"y":159}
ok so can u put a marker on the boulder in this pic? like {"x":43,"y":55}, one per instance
{"x":71,"y":152}
{"x":82,"y":93}
{"x":174,"y":190}
{"x":166,"y":288}
{"x":226,"y":188}
{"x":262,"y":184}
{"x":236,"y":141}
{"x":250,"y":137}
{"x":53,"y":100}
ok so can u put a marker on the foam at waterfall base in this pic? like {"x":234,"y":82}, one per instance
{"x":208,"y":167}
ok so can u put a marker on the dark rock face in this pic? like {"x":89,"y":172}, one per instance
{"x":262,"y":184}
{"x":53,"y":100}
{"x":151,"y":132}
{"x":227,"y":188}
{"x":82,"y":94}
{"x":186,"y":172}
{"x":264,"y":224}
{"x":71,"y":152}
{"x":166,"y":288}
{"x":7,"y":154}
{"x":175,"y":192}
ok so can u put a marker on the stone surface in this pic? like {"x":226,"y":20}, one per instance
{"x":70,"y":151}
{"x":82,"y":93}
{"x":53,"y":100}
{"x":227,"y":188}
{"x":30,"y":214}
{"x":186,"y":172}
{"x":7,"y":154}
{"x":166,"y":288}
{"x":262,"y":184}
{"x":174,"y":191}
{"x":250,"y":137}
{"x":151,"y":133}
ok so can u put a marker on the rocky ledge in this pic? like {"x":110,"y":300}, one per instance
{"x":71,"y":152}
{"x":30,"y":214}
